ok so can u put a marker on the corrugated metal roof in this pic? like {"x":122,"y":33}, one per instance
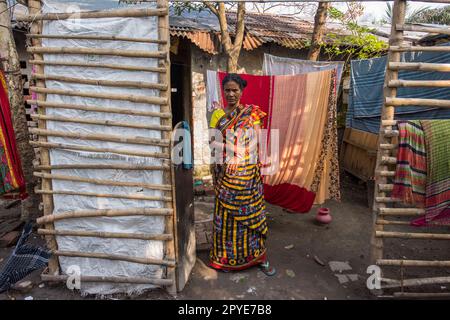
{"x":286,"y":31}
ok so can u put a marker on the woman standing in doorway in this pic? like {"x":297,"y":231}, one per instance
{"x":240,"y":226}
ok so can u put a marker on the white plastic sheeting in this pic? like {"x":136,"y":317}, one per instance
{"x":146,"y":27}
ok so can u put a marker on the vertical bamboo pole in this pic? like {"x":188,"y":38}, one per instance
{"x":36,"y":28}
{"x":395,"y":39}
{"x":169,"y":177}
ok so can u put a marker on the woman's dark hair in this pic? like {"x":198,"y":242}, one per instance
{"x":236,"y":78}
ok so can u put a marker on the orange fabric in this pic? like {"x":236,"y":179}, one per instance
{"x":300,"y":107}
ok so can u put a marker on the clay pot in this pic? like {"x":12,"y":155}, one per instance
{"x":323,"y":216}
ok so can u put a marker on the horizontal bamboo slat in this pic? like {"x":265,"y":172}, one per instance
{"x":388,"y":146}
{"x":399,"y":102}
{"x":107,"y":83}
{"x":388,"y":160}
{"x":394,"y":283}
{"x":108,"y":96}
{"x":383,"y":187}
{"x":50,"y":145}
{"x":401,"y":211}
{"x":113,"y":257}
{"x":161,"y":187}
{"x":94,"y":37}
{"x":100,"y":167}
{"x":386,"y":200}
{"x":419,"y":48}
{"x":419,"y":66}
{"x":113,"y":235}
{"x":102,"y":122}
{"x":417,"y":83}
{"x":418,"y":28}
{"x":421,"y":294}
{"x":388,"y":122}
{"x":413,"y":263}
{"x":390,"y":133}
{"x":385,"y":173}
{"x":98,"y":65}
{"x":133,"y":280}
{"x":123,"y":13}
{"x":106,"y":195}
{"x":45,"y":104}
{"x":100,"y":137}
{"x":104,"y":213}
{"x":96,"y":51}
{"x":393,"y":223}
{"x":410,"y":235}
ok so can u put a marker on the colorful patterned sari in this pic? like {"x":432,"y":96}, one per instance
{"x":239,"y":226}
{"x":11,"y":175}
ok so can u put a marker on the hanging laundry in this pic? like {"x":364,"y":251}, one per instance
{"x":303,"y":110}
{"x":422,"y":176}
{"x":11,"y":175}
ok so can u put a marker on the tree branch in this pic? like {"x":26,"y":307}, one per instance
{"x":212,"y":8}
{"x":240,"y":27}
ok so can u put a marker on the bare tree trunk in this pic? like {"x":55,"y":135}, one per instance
{"x":319,"y":28}
{"x":15,"y":85}
{"x":232,"y":49}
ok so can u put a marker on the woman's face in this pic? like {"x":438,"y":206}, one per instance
{"x":232,"y":92}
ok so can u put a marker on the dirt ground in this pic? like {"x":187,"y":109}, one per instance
{"x":297,"y":247}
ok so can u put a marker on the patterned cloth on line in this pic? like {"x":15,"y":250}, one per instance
{"x":411,"y":172}
{"x":422,"y":176}
{"x":23,"y":260}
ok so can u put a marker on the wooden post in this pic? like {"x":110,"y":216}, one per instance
{"x":396,"y":39}
{"x":34,"y":7}
{"x":169,"y":178}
